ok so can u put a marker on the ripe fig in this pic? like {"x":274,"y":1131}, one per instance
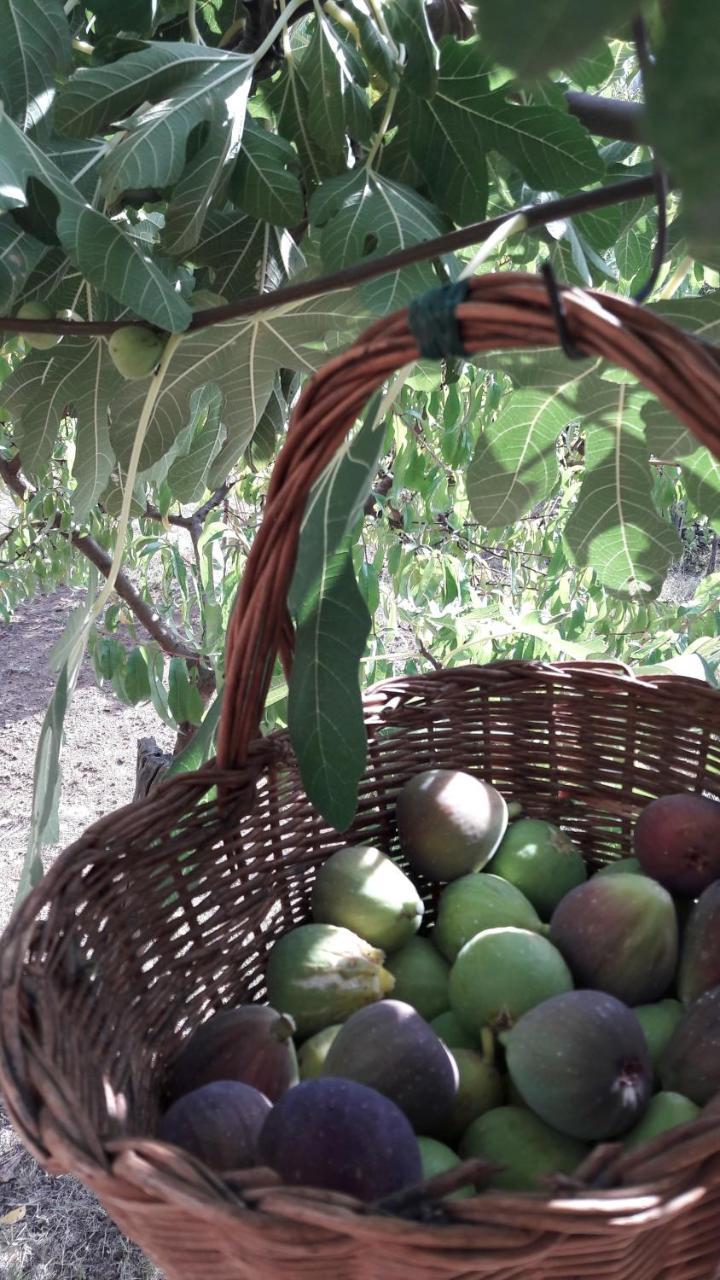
{"x":363,"y":890}
{"x":421,"y":977}
{"x":500,"y":974}
{"x":452,"y":1032}
{"x":38,"y":311}
{"x":312,"y":1054}
{"x":219,"y":1123}
{"x":527,"y":1149}
{"x":619,"y":934}
{"x":320,"y":974}
{"x":691,"y":1062}
{"x":449,"y":823}
{"x":135,"y":351}
{"x":389,"y":1047}
{"x":541,"y":861}
{"x":480,"y":1089}
{"x":658,"y":1021}
{"x":251,"y":1043}
{"x":700,"y":951}
{"x":665,"y":1111}
{"x":478,"y":902}
{"x":338,"y":1135}
{"x":677,"y":839}
{"x":581,"y":1062}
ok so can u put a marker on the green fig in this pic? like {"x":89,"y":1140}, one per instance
{"x":421,"y":977}
{"x":665,"y":1111}
{"x":527,"y":1149}
{"x":541,"y":861}
{"x":480,"y":1089}
{"x":206,"y":300}
{"x":452,"y":1032}
{"x":700,"y":952}
{"x":658,"y":1021}
{"x":449,"y":823}
{"x":38,"y":311}
{"x":361,"y":889}
{"x":581,"y":1063}
{"x":312,"y":1054}
{"x":321,"y":974}
{"x":619,"y":934}
{"x":621,"y":866}
{"x":478,"y":902}
{"x":502,"y":973}
{"x":437,"y":1158}
{"x":135,"y":351}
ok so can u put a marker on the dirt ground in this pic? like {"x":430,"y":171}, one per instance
{"x":52,"y":1228}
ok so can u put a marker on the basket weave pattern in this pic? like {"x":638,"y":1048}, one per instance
{"x":164,"y":911}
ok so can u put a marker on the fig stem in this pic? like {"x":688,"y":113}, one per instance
{"x":284,"y":1027}
{"x":487,"y":1042}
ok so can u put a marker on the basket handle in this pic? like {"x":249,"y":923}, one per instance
{"x":503,"y":310}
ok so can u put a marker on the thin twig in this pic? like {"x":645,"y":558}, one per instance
{"x":168,"y":640}
{"x":537,"y":215}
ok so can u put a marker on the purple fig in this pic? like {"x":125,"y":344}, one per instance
{"x":677,"y":839}
{"x":219,"y":1123}
{"x":619,"y":934}
{"x":389,"y":1047}
{"x":339,"y":1135}
{"x":251,"y":1043}
{"x":700,"y":951}
{"x":691,"y":1062}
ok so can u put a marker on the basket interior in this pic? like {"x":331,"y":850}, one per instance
{"x":165,"y":912}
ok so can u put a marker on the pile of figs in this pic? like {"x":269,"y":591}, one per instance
{"x":545,"y":1010}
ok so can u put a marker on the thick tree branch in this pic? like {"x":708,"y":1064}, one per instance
{"x":168,"y":640}
{"x":536,"y":215}
{"x":608,"y":117}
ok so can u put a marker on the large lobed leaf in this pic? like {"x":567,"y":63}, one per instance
{"x":683,"y":107}
{"x":104,"y":253}
{"x":536,"y":37}
{"x":34,"y":46}
{"x":240,"y":357}
{"x":364,"y":215}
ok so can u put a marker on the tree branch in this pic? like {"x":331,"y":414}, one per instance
{"x":168,"y":640}
{"x":608,"y":117}
{"x":536,"y":215}
{"x":196,"y":519}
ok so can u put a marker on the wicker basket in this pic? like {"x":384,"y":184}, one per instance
{"x":166,"y":910}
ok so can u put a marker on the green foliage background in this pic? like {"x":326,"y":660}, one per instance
{"x":162,"y":155}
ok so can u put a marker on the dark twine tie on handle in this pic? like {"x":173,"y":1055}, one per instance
{"x":432,"y":320}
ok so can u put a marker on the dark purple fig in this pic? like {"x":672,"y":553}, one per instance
{"x":219,"y":1123}
{"x":251,"y":1043}
{"x":389,"y":1047}
{"x":677,"y":839}
{"x":691,"y":1062}
{"x":700,"y":951}
{"x":580,"y":1061}
{"x":339,"y":1135}
{"x":619,"y":934}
